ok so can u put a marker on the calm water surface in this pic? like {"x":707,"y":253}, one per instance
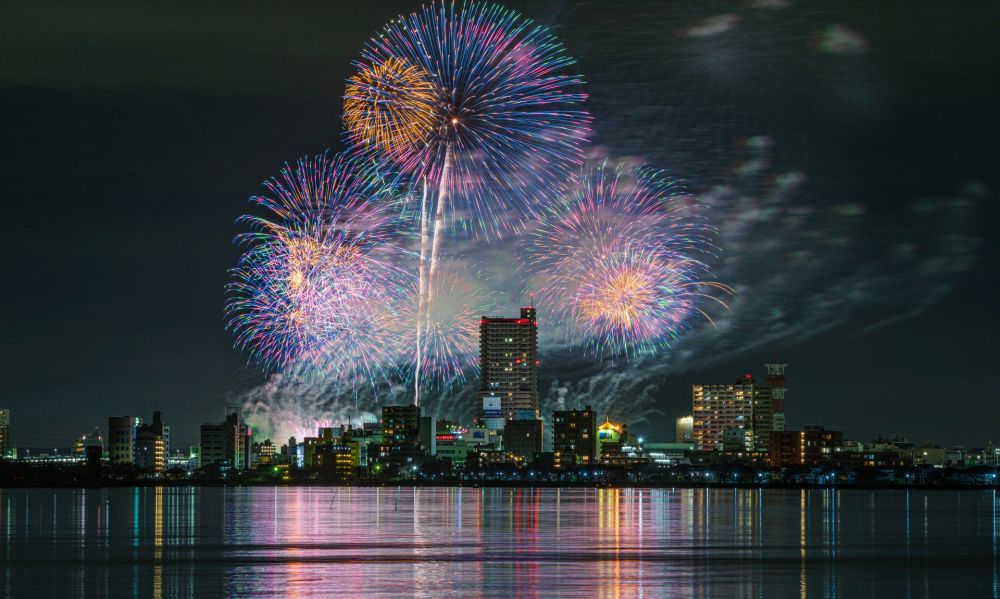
{"x":321,"y":542}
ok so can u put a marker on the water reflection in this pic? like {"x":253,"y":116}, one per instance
{"x":389,"y":542}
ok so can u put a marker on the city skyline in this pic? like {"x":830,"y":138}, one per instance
{"x":463,"y":298}
{"x":126,"y":319}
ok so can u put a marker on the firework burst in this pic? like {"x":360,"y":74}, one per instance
{"x":390,"y":107}
{"x":471,"y":96}
{"x":304,"y":288}
{"x":622,"y":261}
{"x":472,"y":103}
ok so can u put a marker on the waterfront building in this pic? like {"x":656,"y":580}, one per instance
{"x":574,"y":432}
{"x":226,"y":444}
{"x":454,"y":448}
{"x":264,"y":453}
{"x":401,"y":434}
{"x":336,"y":458}
{"x":152,"y":445}
{"x":523,"y":437}
{"x":365,"y":442}
{"x":811,"y":446}
{"x":185,"y":460}
{"x":508,"y":361}
{"x":927,"y":454}
{"x":121,"y":438}
{"x":668,"y":454}
{"x":743,"y":411}
{"x":611,"y":438}
{"x":491,"y":458}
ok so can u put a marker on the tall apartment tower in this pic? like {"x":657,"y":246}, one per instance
{"x":720,"y":408}
{"x":508,"y":360}
{"x":739,"y":414}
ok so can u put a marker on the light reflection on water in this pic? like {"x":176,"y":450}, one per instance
{"x":390,"y":542}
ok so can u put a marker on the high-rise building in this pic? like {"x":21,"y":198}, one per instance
{"x":152,"y":445}
{"x":574,"y":435}
{"x":508,"y":362}
{"x":121,"y":438}
{"x":4,"y":432}
{"x":735,"y":416}
{"x":226,"y":443}
{"x":718,"y":408}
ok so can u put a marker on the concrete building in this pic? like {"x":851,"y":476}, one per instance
{"x":263,"y":453}
{"x":456,"y":449}
{"x":743,"y":410}
{"x":401,"y":434}
{"x":523,"y":437}
{"x":337,"y":459}
{"x":811,"y":446}
{"x":226,"y":443}
{"x":152,"y":445}
{"x":574,"y":433}
{"x":508,"y":359}
{"x":121,"y":438}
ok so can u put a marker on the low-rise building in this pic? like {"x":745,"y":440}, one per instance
{"x":812,"y":445}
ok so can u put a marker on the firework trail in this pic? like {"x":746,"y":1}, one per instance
{"x":471,"y":103}
{"x":451,"y":324}
{"x":303,"y":290}
{"x":622,"y":261}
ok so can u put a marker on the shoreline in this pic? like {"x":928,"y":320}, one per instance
{"x":511,"y":485}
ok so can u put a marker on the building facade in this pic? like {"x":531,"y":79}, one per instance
{"x":508,"y":360}
{"x":152,"y":445}
{"x":121,"y":438}
{"x":574,"y":433}
{"x":523,"y":438}
{"x":227,"y":443}
{"x":401,"y":434}
{"x":811,"y":446}
{"x":611,"y":440}
{"x":738,"y":416}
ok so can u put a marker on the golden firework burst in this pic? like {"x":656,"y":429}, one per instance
{"x":390,"y":106}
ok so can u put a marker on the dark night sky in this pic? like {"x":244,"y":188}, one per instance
{"x":134,"y":133}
